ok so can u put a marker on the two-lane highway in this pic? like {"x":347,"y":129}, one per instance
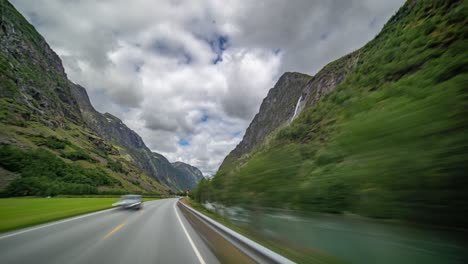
{"x":158,"y":233}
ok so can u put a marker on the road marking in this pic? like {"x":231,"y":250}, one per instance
{"x":113,"y":231}
{"x":189,"y":238}
{"x":54,"y":223}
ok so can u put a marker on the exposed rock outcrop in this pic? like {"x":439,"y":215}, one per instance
{"x":285,"y":101}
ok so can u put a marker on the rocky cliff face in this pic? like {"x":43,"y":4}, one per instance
{"x":190,"y":174}
{"x":106,"y":125}
{"x":325,"y":81}
{"x":35,"y":88}
{"x":285,"y":101}
{"x":275,"y":110}
{"x":32,"y":74}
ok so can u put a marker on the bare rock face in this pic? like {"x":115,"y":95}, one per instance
{"x":105,"y":125}
{"x":285,"y":101}
{"x":328,"y":79}
{"x":32,"y":74}
{"x":275,"y":110}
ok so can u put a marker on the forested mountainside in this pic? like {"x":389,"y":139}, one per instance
{"x":381,"y":132}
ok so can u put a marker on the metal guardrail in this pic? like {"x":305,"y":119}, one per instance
{"x":257,"y":252}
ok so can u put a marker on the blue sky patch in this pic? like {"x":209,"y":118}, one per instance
{"x":223,"y":42}
{"x":218,"y":46}
{"x":184,"y":142}
{"x":204,"y":118}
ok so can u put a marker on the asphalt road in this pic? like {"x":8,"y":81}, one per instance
{"x":158,"y":233}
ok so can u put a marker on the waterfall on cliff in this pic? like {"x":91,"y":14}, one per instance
{"x":295,"y":109}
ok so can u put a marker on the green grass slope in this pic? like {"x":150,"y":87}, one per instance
{"x":28,"y":211}
{"x":41,"y":161}
{"x":390,"y":142}
{"x":21,"y":212}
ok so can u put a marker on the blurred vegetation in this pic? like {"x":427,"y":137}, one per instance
{"x":54,"y":143}
{"x":117,"y":167}
{"x":78,"y":154}
{"x":390,"y":142}
{"x":43,"y":173}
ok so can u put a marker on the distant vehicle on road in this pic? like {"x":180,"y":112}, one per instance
{"x":131,"y":201}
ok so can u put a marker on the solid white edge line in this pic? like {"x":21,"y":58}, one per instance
{"x":54,"y":223}
{"x":188,"y":236}
{"x":250,"y":243}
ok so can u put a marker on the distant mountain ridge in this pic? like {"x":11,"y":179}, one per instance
{"x":190,"y":174}
{"x":113,"y":129}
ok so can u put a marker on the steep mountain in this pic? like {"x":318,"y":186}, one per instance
{"x":178,"y":178}
{"x":292,"y":93}
{"x":381,"y":132}
{"x":275,"y":111}
{"x":190,"y":174}
{"x":25,"y":56}
{"x":52,"y":140}
{"x":112,"y":129}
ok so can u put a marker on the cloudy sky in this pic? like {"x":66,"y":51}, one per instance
{"x":188,"y":75}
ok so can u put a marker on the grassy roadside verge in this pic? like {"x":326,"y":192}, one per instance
{"x":295,"y":253}
{"x":23,"y":212}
